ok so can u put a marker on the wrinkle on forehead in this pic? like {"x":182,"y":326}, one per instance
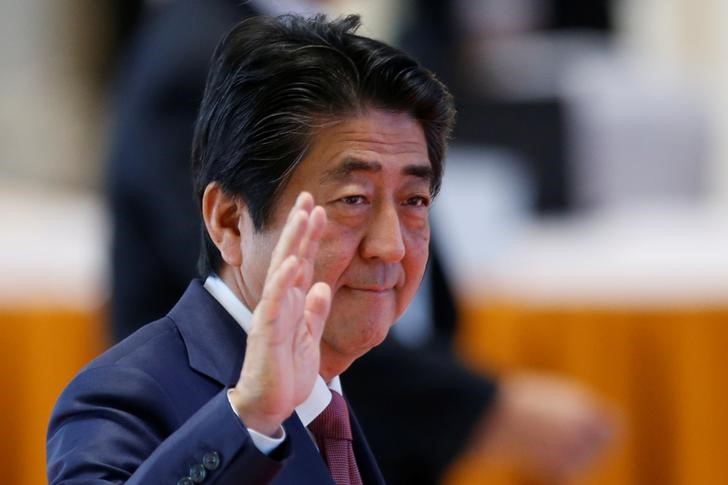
{"x":388,"y":143}
{"x":375,"y":127}
{"x":350,"y":165}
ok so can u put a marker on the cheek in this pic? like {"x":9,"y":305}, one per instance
{"x":417,"y":241}
{"x":337,"y":249}
{"x":414,"y":263}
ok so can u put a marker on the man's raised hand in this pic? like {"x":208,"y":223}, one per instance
{"x":283,"y":354}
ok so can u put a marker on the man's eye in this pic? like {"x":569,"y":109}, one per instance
{"x":353,"y":199}
{"x":418,"y":201}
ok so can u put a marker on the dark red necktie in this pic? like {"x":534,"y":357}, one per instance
{"x":332,"y":430}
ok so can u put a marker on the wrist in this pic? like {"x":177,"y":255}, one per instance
{"x":253,"y":417}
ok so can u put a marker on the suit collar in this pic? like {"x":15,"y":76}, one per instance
{"x":214,"y":340}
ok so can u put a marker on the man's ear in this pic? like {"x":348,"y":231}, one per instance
{"x":222,"y":214}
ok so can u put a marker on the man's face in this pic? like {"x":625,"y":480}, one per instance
{"x":372,"y":175}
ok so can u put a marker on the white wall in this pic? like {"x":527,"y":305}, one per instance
{"x":692,"y":37}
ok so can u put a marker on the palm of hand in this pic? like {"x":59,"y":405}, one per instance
{"x":283,"y":354}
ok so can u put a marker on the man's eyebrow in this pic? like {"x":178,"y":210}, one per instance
{"x":351,"y":165}
{"x":424,"y":172}
{"x":347,"y":167}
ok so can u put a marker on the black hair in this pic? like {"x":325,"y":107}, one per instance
{"x":272,"y":80}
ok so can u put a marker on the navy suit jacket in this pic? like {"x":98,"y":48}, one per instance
{"x":153,"y":406}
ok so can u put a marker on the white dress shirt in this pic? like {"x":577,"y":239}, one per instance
{"x":320,"y":394}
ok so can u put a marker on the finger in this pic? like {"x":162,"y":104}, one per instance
{"x":275,"y":289}
{"x":290,"y":238}
{"x":309,"y":247}
{"x":289,"y":241}
{"x":316,"y":308}
{"x":305,"y":201}
{"x":316,"y":226}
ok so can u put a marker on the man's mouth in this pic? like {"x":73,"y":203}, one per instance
{"x":372,"y":289}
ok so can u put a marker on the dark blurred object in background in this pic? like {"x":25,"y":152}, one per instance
{"x":155,"y":220}
{"x":126,"y":16}
{"x":534,"y":131}
{"x":576,"y":14}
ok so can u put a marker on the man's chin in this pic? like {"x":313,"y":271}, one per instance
{"x":345,"y":348}
{"x":373,"y":342}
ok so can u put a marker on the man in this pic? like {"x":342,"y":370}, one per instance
{"x":316,"y":155}
{"x":156,"y":243}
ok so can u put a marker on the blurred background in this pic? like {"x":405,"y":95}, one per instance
{"x":583,"y":219}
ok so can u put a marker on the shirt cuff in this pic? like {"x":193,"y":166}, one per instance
{"x":265,"y":444}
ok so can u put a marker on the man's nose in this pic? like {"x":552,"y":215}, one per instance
{"x":383,"y":239}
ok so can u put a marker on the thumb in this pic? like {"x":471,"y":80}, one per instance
{"x":316,"y":308}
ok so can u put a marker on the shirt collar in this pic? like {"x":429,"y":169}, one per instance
{"x":320,"y":395}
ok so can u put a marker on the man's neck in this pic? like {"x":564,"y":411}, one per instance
{"x":231,"y":279}
{"x":332,"y":363}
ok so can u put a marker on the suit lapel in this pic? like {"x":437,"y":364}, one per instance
{"x":368,"y":468}
{"x":214,"y":340}
{"x":307,"y":466}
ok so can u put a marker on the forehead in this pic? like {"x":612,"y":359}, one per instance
{"x":388,"y":140}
